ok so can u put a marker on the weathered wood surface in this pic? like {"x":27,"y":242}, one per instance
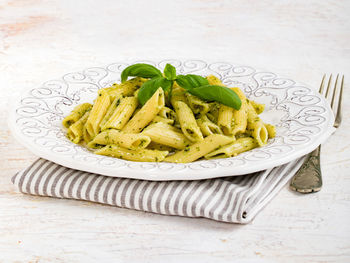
{"x":42,"y":40}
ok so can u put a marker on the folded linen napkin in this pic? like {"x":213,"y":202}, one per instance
{"x":236,"y":199}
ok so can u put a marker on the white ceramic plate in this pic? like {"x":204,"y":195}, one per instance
{"x":302,"y":117}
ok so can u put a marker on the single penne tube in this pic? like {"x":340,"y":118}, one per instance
{"x":146,"y":114}
{"x":161,"y":119}
{"x":97,"y":113}
{"x":165,"y":126}
{"x":125,"y":89}
{"x":86,"y":136}
{"x":114,"y":86}
{"x":159,"y":147}
{"x":126,"y":140}
{"x":225,"y":119}
{"x":240,"y":116}
{"x":187,"y":121}
{"x":213,"y":80}
{"x":76,"y":130}
{"x":167,"y":113}
{"x":208,"y":127}
{"x":164,"y":134}
{"x":197,"y":105}
{"x":177,"y":95}
{"x":271,"y":130}
{"x":121,"y":114}
{"x":114,"y":91}
{"x":199,"y":149}
{"x":76,"y":114}
{"x":111,"y":109}
{"x":258,"y":107}
{"x":131,"y":85}
{"x":141,"y":155}
{"x":113,"y":94}
{"x":255,"y":126}
{"x":233,"y":149}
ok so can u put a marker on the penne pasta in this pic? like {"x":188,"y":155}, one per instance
{"x":142,"y":155}
{"x":208,"y":127}
{"x":271,"y":130}
{"x":213,"y":80}
{"x":225,"y":119}
{"x":187,"y":121}
{"x":121,"y":114}
{"x":86,"y":136}
{"x":258,"y":107}
{"x":126,"y":88}
{"x":197,"y":105}
{"x":111,"y":109}
{"x":159,"y":147}
{"x":199,"y":149}
{"x":180,"y":128}
{"x":167,"y":113}
{"x":161,"y":119}
{"x":114,"y":91}
{"x":256,"y":127}
{"x":233,"y":149}
{"x":126,"y":140}
{"x":213,"y":112}
{"x":129,"y":87}
{"x":165,"y":134}
{"x":97,"y":113}
{"x":240,"y":117}
{"x":76,"y":114}
{"x":178,"y":95}
{"x":76,"y":130}
{"x":146,"y":113}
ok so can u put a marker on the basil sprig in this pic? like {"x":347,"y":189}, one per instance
{"x":193,"y":84}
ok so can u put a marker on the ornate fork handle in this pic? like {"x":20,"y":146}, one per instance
{"x":308,"y":179}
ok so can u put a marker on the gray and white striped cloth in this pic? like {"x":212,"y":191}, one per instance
{"x":236,"y":199}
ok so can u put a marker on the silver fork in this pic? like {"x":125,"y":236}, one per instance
{"x":309,"y":179}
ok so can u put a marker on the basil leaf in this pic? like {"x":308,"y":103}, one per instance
{"x":217,"y":93}
{"x":170,"y":72}
{"x":150,"y":87}
{"x":191,"y":81}
{"x":166,"y":84}
{"x":170,"y":91}
{"x":140,"y":70}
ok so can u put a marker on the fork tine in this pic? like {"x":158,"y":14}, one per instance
{"x":334,"y":92}
{"x":338,"y":117}
{"x":322,"y":84}
{"x":328,"y":86}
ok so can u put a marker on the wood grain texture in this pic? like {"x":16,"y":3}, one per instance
{"x":42,"y":40}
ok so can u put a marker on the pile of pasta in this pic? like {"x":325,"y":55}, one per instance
{"x":180,"y":130}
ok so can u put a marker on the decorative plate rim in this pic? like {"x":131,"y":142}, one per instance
{"x":168,"y":171}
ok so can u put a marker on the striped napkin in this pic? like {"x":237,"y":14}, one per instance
{"x":236,"y":199}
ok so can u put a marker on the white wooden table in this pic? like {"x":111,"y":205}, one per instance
{"x":42,"y":40}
